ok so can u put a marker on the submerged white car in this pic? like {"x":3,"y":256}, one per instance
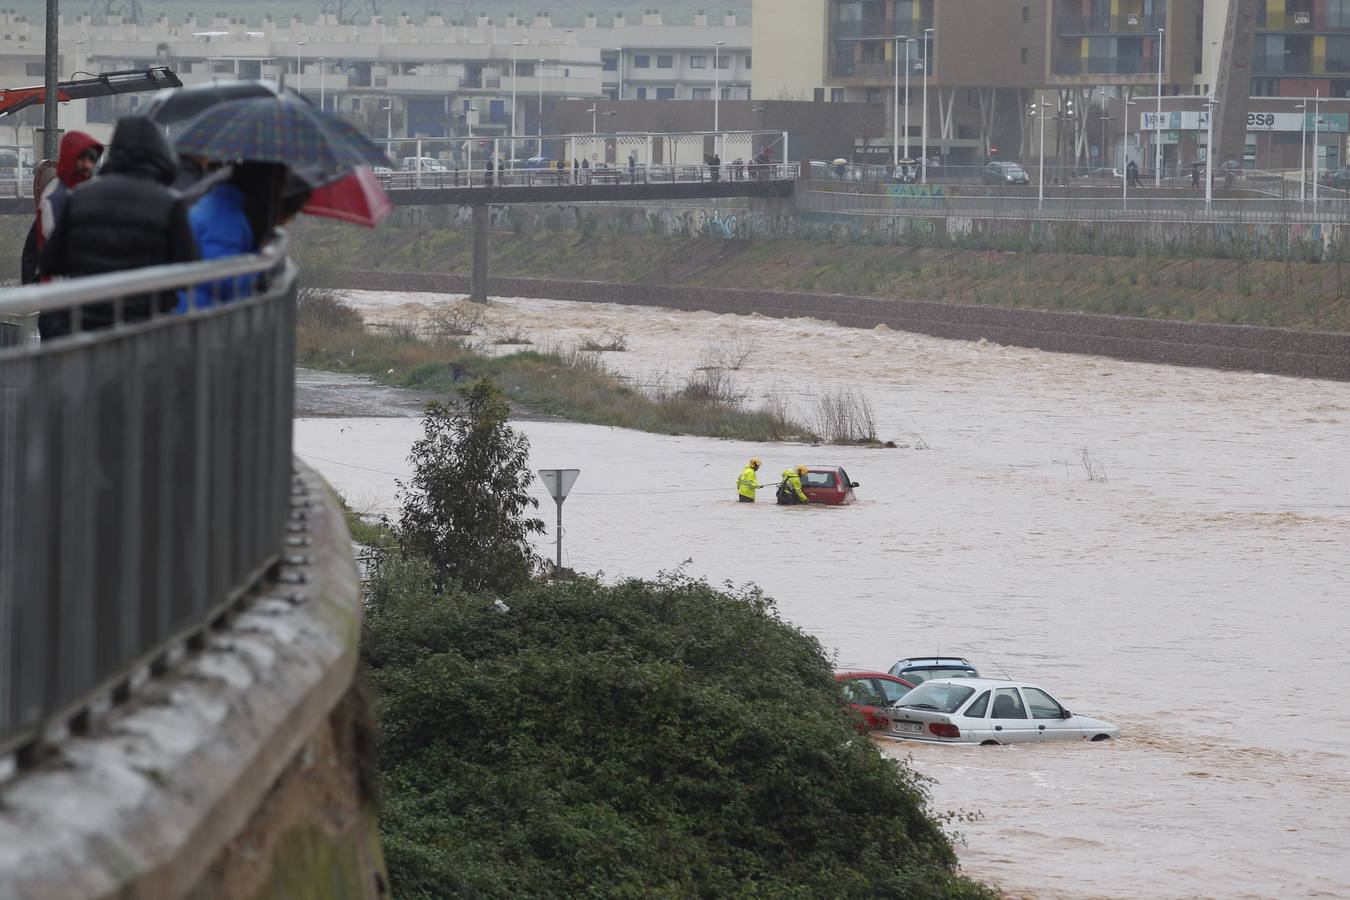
{"x":987,"y":711}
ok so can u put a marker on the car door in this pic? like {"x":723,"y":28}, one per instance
{"x":1048,"y":715}
{"x":864,"y":696}
{"x":974,"y":721}
{"x":1008,"y":718}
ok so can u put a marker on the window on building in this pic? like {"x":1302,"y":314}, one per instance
{"x":874,"y":95}
{"x":642,"y":93}
{"x":665,"y":93}
{"x":610,"y":63}
{"x":723,"y":61}
{"x":1026,"y":13}
{"x":665,"y":62}
{"x":747,"y":61}
{"x":642,"y":61}
{"x":836,"y":95}
{"x":698,"y":62}
{"x":356,"y":104}
{"x":727,"y":94}
{"x":1024,"y":55}
{"x":525,"y":70}
{"x":702,"y":93}
{"x":611,"y":93}
{"x":35,"y":70}
{"x":819,"y":95}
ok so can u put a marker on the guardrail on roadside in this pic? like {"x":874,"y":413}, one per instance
{"x":577,"y":176}
{"x":145,"y":478}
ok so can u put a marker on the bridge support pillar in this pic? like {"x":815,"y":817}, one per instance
{"x":478,"y":279}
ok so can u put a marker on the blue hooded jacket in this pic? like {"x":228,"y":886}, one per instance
{"x":221,"y":228}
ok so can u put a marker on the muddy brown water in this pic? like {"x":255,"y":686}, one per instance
{"x":1197,"y":596}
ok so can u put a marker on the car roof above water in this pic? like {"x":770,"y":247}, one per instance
{"x":935,"y":661}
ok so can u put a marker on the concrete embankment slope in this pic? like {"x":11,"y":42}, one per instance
{"x":1277,"y":351}
{"x":246,"y":771}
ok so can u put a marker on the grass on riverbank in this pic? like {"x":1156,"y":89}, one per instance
{"x":568,"y":383}
{"x":1294,"y":293}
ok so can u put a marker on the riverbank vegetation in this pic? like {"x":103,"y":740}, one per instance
{"x":562,"y":738}
{"x":566,"y":382}
{"x":1234,"y":283}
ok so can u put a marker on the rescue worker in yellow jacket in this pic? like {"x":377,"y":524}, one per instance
{"x":790,"y":491}
{"x":748,"y":482}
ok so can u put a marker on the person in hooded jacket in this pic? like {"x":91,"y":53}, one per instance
{"x":43,"y":175}
{"x":75,"y":162}
{"x":126,"y":218}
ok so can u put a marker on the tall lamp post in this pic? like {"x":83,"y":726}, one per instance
{"x":1212,"y":107}
{"x":515,"y":47}
{"x":1317,"y":120}
{"x":619,"y":50}
{"x":717,"y":84}
{"x":299,"y":59}
{"x":539,"y":80}
{"x":1037,"y":110}
{"x":908,"y":41}
{"x":322,"y":105}
{"x":923,"y":170}
{"x":1303,"y":152}
{"x":1126,"y":103}
{"x":1157,"y":133}
{"x":895,"y":113}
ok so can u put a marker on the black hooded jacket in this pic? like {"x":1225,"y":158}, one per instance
{"x":125,"y":218}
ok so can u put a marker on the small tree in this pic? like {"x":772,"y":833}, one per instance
{"x":464,"y":509}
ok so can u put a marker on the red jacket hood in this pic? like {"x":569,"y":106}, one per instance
{"x":72,"y":145}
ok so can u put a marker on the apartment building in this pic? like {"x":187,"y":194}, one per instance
{"x":436,"y":78}
{"x":986,"y":63}
{"x":979,"y":61}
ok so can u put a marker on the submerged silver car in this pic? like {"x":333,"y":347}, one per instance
{"x":988,"y":711}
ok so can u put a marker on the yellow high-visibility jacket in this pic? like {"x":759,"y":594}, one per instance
{"x":746,"y":484}
{"x":794,"y":484}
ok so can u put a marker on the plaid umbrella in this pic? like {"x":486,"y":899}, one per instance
{"x":315,"y":145}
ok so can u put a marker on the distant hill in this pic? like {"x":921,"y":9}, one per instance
{"x":564,"y":12}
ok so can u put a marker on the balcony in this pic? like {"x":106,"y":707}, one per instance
{"x":876,"y":71}
{"x":1103,"y":65}
{"x":1128,"y":23}
{"x":879,"y":29}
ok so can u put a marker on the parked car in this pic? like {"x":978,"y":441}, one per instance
{"x":1336,"y":178}
{"x":924,"y":668}
{"x":427,"y":164}
{"x":868,"y":693}
{"x":539,"y":162}
{"x":1005,"y":173}
{"x":1101,"y":172}
{"x":829,"y":485}
{"x":986,"y":711}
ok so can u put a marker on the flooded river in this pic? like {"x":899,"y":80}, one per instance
{"x":1195,"y":592}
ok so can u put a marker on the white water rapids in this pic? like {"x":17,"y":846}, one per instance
{"x":1197,"y":596}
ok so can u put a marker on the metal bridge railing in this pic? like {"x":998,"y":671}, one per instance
{"x":595,"y":175}
{"x":145,"y":473}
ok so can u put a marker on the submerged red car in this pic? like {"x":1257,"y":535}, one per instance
{"x":866,"y":691}
{"x":829,"y":485}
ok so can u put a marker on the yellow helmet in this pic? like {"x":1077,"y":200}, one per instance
{"x":754,"y":462}
{"x":801,"y":470}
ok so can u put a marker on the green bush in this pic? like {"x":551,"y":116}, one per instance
{"x":646,"y":739}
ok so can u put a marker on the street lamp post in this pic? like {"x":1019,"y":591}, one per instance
{"x":1317,"y":120}
{"x":1037,"y":109}
{"x":514,"y":49}
{"x":907,"y":43}
{"x":1212,"y":106}
{"x":1157,"y":125}
{"x":1126,"y":103}
{"x":595,"y":115}
{"x":539,"y":80}
{"x":1303,"y":152}
{"x":299,"y":59}
{"x":322,"y":105}
{"x":895,"y":113}
{"x":923,"y":170}
{"x":717,"y":85}
{"x":469,"y":112}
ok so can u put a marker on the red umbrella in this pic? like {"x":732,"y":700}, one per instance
{"x":357,"y":198}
